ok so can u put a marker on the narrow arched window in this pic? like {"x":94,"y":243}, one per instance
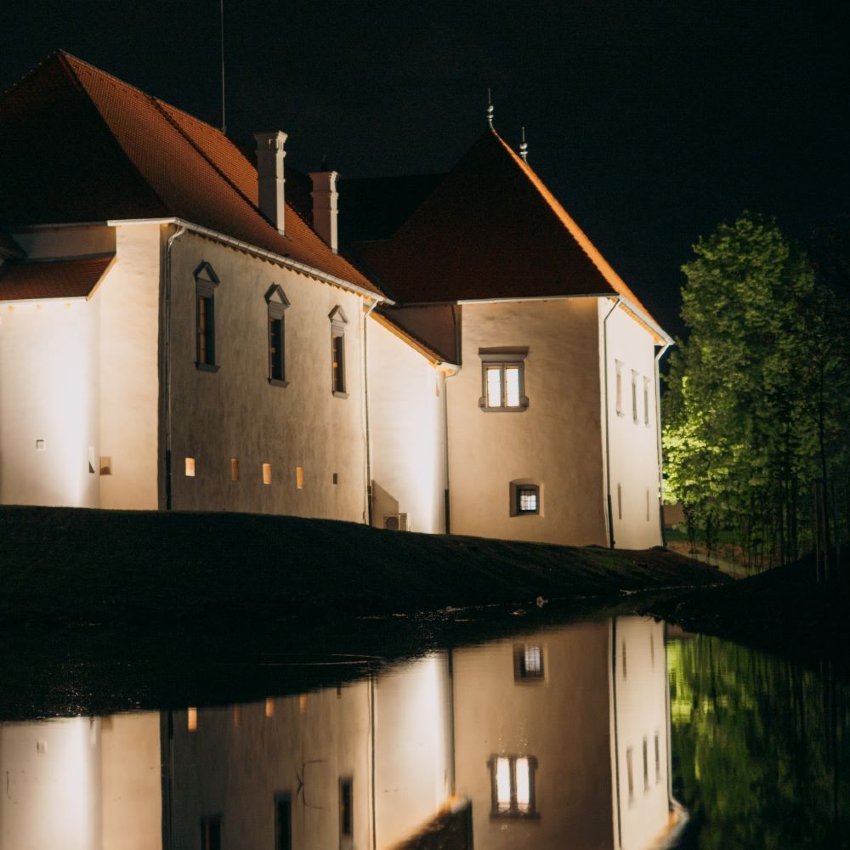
{"x":206,"y":281}
{"x":276,"y":303}
{"x":338,"y":323}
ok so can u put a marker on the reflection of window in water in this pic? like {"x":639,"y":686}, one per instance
{"x":512,"y":779}
{"x":528,"y":661}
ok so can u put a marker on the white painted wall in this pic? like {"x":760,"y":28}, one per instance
{"x":640,"y":685}
{"x":555,"y":442}
{"x":49,"y":403}
{"x":406,"y":424}
{"x":52,"y":787}
{"x":236,"y":413}
{"x":633,"y":450}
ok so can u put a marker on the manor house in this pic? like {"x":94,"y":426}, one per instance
{"x":181,"y":329}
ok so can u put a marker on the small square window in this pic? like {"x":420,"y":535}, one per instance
{"x":525,"y":498}
{"x":528,"y":662}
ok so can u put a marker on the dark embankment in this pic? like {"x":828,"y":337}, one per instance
{"x":67,"y":567}
{"x":784,"y":610}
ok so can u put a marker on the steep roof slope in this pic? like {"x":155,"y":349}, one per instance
{"x":491,"y":229}
{"x":80,"y":145}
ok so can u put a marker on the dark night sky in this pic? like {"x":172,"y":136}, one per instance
{"x":651,"y":121}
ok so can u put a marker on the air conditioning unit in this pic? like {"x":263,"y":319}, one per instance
{"x":396,"y":522}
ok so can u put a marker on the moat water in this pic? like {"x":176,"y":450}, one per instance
{"x":605,"y":734}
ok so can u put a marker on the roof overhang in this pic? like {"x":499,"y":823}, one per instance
{"x":68,"y":278}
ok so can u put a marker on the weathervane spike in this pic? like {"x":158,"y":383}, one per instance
{"x":523,"y":147}
{"x":490,"y":108}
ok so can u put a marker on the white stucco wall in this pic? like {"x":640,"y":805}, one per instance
{"x":640,"y":685}
{"x":554,"y":442}
{"x":49,"y":402}
{"x":51,"y":785}
{"x":406,"y":424}
{"x":632,"y":431}
{"x":235,"y":412}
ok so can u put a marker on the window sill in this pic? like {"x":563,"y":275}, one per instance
{"x":520,"y":408}
{"x":338,"y":394}
{"x":276,"y":382}
{"x":206,"y":367}
{"x":514,"y":816}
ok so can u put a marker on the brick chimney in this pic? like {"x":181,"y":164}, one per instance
{"x":325,"y":197}
{"x":270,"y":177}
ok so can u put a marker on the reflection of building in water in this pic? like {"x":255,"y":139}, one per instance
{"x":559,"y":736}
{"x":81,"y":784}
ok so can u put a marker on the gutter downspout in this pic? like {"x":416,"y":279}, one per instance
{"x":606,"y":407}
{"x":658,"y":357}
{"x":166,"y":353}
{"x":368,"y":511}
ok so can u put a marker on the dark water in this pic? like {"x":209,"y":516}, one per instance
{"x":577,"y":736}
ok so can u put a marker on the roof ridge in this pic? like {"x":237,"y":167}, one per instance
{"x":582,"y":239}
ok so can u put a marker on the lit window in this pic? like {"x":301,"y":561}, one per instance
{"x":192,"y":719}
{"x":525,"y":498}
{"x":503,"y":379}
{"x":338,"y":323}
{"x":234,"y":469}
{"x":299,"y":477}
{"x":277,"y":304}
{"x":189,"y":467}
{"x":206,"y":280}
{"x":268,"y":710}
{"x":267,"y":473}
{"x":528,"y":662}
{"x":512,"y":786}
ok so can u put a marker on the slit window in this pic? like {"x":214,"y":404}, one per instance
{"x":189,"y":467}
{"x":646,"y":401}
{"x":634,"y":396}
{"x":267,"y":473}
{"x":206,"y":281}
{"x":234,"y":469}
{"x":276,"y":303}
{"x":338,"y":323}
{"x":618,"y":387}
{"x":346,"y":810}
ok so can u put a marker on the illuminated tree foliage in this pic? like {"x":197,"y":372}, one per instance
{"x":756,"y":409}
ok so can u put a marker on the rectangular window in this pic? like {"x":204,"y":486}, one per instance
{"x":346,"y":810}
{"x":283,"y":822}
{"x":338,"y":364}
{"x":525,"y":498}
{"x":634,"y":396}
{"x":618,"y":387}
{"x":206,"y":330}
{"x":646,"y":401}
{"x":619,"y":501}
{"x":276,"y":372}
{"x":234,"y":469}
{"x":512,"y":786}
{"x":192,"y":719}
{"x":503,"y":379}
{"x":299,"y":477}
{"x":189,"y":467}
{"x":267,"y":473}
{"x":528,"y":662}
{"x":657,"y":759}
{"x":211,"y":833}
{"x":645,"y":765}
{"x":630,"y":774}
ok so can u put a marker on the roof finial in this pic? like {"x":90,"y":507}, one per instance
{"x":523,"y":147}
{"x":490,"y":108}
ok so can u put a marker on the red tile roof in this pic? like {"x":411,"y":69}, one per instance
{"x":85,"y":146}
{"x":34,"y":280}
{"x":491,"y":229}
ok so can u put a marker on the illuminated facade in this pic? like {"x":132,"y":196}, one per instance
{"x":174,"y":334}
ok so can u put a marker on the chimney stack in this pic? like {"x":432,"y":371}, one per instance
{"x":270,"y":177}
{"x":325,"y":197}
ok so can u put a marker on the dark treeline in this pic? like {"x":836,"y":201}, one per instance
{"x":757,"y":407}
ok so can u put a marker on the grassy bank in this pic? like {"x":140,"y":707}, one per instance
{"x":71,"y":566}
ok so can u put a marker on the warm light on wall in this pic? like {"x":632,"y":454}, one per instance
{"x":269,"y":707}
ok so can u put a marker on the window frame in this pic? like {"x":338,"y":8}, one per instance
{"x":502,"y":359}
{"x":338,"y":373}
{"x":276,"y":307}
{"x":513,"y":810}
{"x":522,"y":486}
{"x":206,"y":281}
{"x":522,"y":673}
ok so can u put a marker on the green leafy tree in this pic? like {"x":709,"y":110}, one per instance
{"x":753,"y":410}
